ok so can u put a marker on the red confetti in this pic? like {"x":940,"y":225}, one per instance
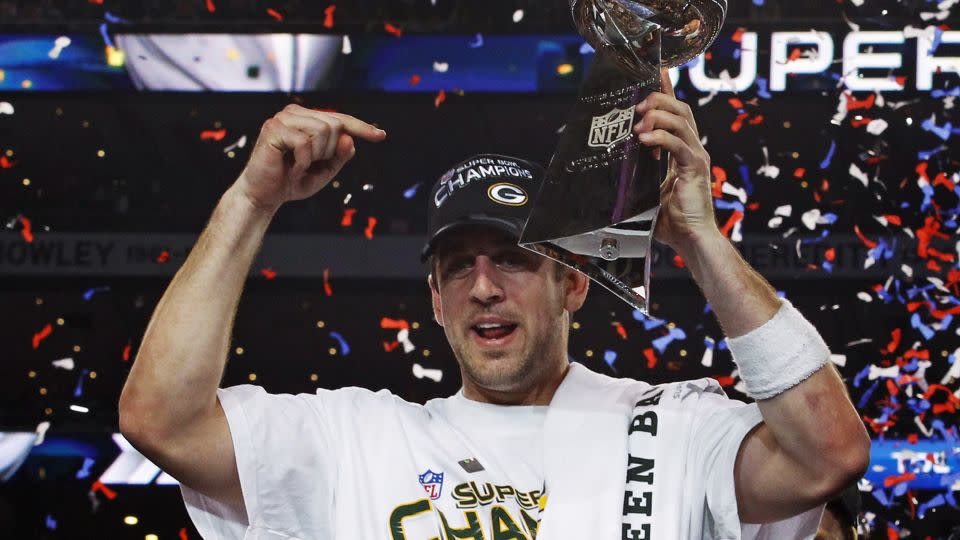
{"x":895,"y":479}
{"x":651,"y":357}
{"x":913,"y":438}
{"x":794,"y":54}
{"x":390,"y":346}
{"x":347,"y":219}
{"x":861,"y":122}
{"x":327,"y":289}
{"x":5,"y":163}
{"x":26,"y":232}
{"x":268,"y":273}
{"x":719,"y":177}
{"x":735,"y":103}
{"x":398,"y":324}
{"x":328,"y":16}
{"x":895,"y":336}
{"x":866,"y":241}
{"x":733,"y":220}
{"x":183,"y":533}
{"x":620,"y":329}
{"x":41,"y":335}
{"x":893,"y":218}
{"x":210,"y":134}
{"x":391,"y":29}
{"x":275,"y":14}
{"x":738,"y":123}
{"x":737,"y":36}
{"x":724,"y":380}
{"x":831,"y":254}
{"x":854,"y":103}
{"x":163,"y":257}
{"x":98,"y":486}
{"x":799,"y":172}
{"x":756,"y":120}
{"x":371,"y":223}
{"x":441,"y":97}
{"x":678,"y":261}
{"x":126,"y":353}
{"x":210,"y":7}
{"x":414,"y":80}
{"x":97,"y":2}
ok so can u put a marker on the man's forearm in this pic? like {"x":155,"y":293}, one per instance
{"x":181,"y":358}
{"x":814,"y":422}
{"x":740,"y":297}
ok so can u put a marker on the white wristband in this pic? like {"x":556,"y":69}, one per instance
{"x":780,"y":354}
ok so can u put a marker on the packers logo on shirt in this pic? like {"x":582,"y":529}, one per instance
{"x":507,"y":193}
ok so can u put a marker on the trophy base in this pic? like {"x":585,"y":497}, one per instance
{"x":617,"y":256}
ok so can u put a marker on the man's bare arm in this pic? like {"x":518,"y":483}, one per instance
{"x":169,"y":408}
{"x":812,"y":442}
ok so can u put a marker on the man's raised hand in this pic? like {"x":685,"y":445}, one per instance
{"x":298,"y":152}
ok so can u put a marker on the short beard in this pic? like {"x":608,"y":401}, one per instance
{"x":522,"y":375}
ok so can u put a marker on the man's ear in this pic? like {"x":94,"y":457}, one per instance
{"x":576,"y":285}
{"x":435,"y":299}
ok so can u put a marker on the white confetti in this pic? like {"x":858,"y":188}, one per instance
{"x":64,"y":363}
{"x":740,"y":193}
{"x":518,"y":15}
{"x":403,"y":336}
{"x":79,"y":409}
{"x":59,"y":45}
{"x":6,"y":107}
{"x":810,"y":218}
{"x":839,"y":359}
{"x":433,"y":374}
{"x":864,"y":296}
{"x":785,"y":210}
{"x":241,"y":142}
{"x":441,"y":67}
{"x":42,"y":428}
{"x":876,"y":127}
{"x":907,"y":270}
{"x":858,"y":174}
{"x":347,"y":48}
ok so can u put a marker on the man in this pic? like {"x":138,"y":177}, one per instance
{"x":531,"y":446}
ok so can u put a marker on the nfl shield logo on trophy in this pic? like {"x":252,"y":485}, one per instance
{"x":432,"y":483}
{"x":610,"y":128}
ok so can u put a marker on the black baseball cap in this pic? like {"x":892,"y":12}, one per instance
{"x":486,"y":189}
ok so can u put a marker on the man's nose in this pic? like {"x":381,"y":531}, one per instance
{"x":486,"y":288}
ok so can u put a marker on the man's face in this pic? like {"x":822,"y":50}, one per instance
{"x":503,"y":308}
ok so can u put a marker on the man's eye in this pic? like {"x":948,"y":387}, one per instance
{"x":513,"y":260}
{"x":457,"y":265}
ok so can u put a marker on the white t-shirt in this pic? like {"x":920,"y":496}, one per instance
{"x":351,"y":463}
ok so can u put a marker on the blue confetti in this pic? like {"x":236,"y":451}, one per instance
{"x":477,"y":42}
{"x":745,"y":175}
{"x":85,"y":469}
{"x":661,"y":343}
{"x":411,"y":191}
{"x":610,"y":357}
{"x":344,"y":348}
{"x":51,"y":523}
{"x":586,"y":48}
{"x":78,"y":391}
{"x":936,"y":501}
{"x":943,"y":132}
{"x":106,"y":35}
{"x":90,"y":292}
{"x":826,"y":161}
{"x":763,"y":91}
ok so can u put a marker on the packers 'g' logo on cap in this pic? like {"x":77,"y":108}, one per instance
{"x":508,"y":194}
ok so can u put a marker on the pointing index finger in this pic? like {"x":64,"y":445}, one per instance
{"x":359,"y":128}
